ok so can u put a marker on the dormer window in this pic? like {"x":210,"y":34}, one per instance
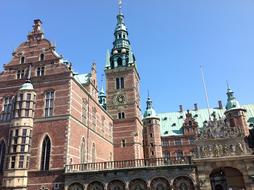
{"x":22,"y":60}
{"x":42,"y":57}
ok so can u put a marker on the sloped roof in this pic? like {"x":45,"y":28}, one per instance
{"x":171,"y":123}
{"x":83,"y":78}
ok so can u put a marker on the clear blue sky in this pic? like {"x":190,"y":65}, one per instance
{"x":170,"y":39}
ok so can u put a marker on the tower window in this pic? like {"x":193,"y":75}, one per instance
{"x":45,"y":153}
{"x":21,"y":161}
{"x":22,"y":60}
{"x":42,"y":57}
{"x":119,"y":83}
{"x":119,"y":35}
{"x":123,"y":143}
{"x":49,"y":103}
{"x":121,"y":115}
{"x":40,"y":71}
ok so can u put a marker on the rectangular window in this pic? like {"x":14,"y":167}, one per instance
{"x":21,"y":161}
{"x":26,"y":113}
{"x":7,"y":109}
{"x":20,"y":74}
{"x":165,"y":143}
{"x":28,"y":97}
{"x":24,"y":131}
{"x":117,"y":83}
{"x":120,"y":83}
{"x":13,"y":159}
{"x":27,"y":105}
{"x":40,"y":71}
{"x":14,"y":148}
{"x":16,"y":133}
{"x":23,"y":140}
{"x":22,"y":148}
{"x":49,"y":103}
{"x":178,"y":142}
{"x":123,"y":143}
{"x":15,"y":140}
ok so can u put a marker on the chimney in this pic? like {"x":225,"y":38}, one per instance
{"x":180,"y":108}
{"x":195,"y":107}
{"x":220,"y":104}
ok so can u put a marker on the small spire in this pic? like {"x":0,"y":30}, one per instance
{"x":228,"y":85}
{"x":149,"y":102}
{"x":102,"y":90}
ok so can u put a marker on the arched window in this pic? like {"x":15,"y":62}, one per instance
{"x":93,"y":153}
{"x":42,"y":57}
{"x":2,"y":155}
{"x":83,"y":151}
{"x":22,"y":59}
{"x":123,"y":143}
{"x":45,"y":153}
{"x":119,"y":61}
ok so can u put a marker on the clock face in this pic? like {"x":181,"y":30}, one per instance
{"x":120,"y":99}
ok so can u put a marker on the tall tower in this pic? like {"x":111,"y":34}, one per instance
{"x":20,"y":133}
{"x":235,"y":114}
{"x":151,"y":132}
{"x":123,"y":102}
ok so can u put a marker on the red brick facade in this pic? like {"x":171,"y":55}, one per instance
{"x":68,"y":126}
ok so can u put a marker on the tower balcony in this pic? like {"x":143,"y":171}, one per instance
{"x":129,"y":164}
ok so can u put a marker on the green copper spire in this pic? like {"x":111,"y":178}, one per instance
{"x":121,"y":54}
{"x":232,"y":103}
{"x":102,"y":98}
{"x":150,"y":112}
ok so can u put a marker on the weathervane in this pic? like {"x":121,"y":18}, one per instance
{"x":120,"y":3}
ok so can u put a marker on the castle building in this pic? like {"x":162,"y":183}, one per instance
{"x":58,"y":131}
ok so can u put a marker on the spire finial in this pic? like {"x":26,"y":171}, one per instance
{"x":148,"y":93}
{"x":120,"y":3}
{"x":228,"y":84}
